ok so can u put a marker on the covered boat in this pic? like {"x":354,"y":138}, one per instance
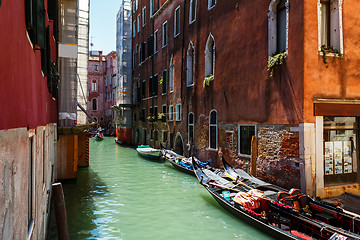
{"x":148,"y":152}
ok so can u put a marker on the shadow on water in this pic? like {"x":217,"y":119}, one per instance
{"x":79,"y":197}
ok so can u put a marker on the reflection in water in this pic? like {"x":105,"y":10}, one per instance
{"x":124,"y":196}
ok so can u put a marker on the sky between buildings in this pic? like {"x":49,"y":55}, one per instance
{"x":103,"y":25}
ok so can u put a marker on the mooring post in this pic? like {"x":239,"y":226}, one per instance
{"x":253,"y":156}
{"x":60,"y":211}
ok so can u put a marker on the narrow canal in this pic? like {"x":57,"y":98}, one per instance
{"x":123,"y":196}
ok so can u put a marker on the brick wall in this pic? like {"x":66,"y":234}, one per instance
{"x":278,"y":155}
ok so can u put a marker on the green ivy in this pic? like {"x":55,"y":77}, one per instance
{"x":275,"y":61}
{"x":207,"y":81}
{"x":325,"y":50}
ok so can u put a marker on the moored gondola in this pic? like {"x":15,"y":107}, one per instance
{"x":273,"y":219}
{"x":300,"y":203}
{"x":180,"y":162}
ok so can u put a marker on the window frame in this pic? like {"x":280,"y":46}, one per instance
{"x":152,"y":8}
{"x":193,"y":127}
{"x":164,"y":36}
{"x":217,"y":129}
{"x":138,"y":23}
{"x":192,"y":67}
{"x":94,"y":85}
{"x":210,"y":54}
{"x":156,"y":36}
{"x":134,"y":28}
{"x":272,"y":27}
{"x":239,"y":138}
{"x":92,"y":104}
{"x":210,"y":6}
{"x":171,"y":113}
{"x":339,"y":13}
{"x":178,"y":112}
{"x":177,"y":20}
{"x":191,"y":12}
{"x":144,"y":16}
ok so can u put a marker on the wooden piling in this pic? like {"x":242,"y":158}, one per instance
{"x":253,"y":156}
{"x":60,"y":211}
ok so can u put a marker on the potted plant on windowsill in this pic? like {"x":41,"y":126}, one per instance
{"x":329,"y":51}
{"x":151,"y":118}
{"x":207,"y":81}
{"x":275,"y":61}
{"x":162,"y":117}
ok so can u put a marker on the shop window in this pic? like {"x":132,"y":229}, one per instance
{"x":213,"y":130}
{"x":246,"y":132}
{"x":341,"y":138}
{"x":192,"y":14}
{"x":191,"y":128}
{"x":210,"y":56}
{"x":278,"y":26}
{"x":190,"y":66}
{"x":177,"y":21}
{"x":330,"y":24}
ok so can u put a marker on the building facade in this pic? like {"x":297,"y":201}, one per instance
{"x":28,"y":125}
{"x":102,"y":86}
{"x":205,"y":89}
{"x":123,"y":98}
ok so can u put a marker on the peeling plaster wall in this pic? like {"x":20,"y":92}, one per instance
{"x":14,"y":176}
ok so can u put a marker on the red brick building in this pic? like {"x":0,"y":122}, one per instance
{"x":102,"y":85}
{"x":204,"y":65}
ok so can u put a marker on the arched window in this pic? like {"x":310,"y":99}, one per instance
{"x":210,"y":56}
{"x":213,"y":129}
{"x":94,"y":86}
{"x":191,"y":128}
{"x":95,"y":119}
{"x":94,"y":104}
{"x":278,"y":26}
{"x":171,"y":74}
{"x":190,"y":63}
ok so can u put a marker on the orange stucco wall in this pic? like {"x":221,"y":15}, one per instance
{"x":341,"y":79}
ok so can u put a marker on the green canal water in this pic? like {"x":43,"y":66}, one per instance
{"x":124,"y":196}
